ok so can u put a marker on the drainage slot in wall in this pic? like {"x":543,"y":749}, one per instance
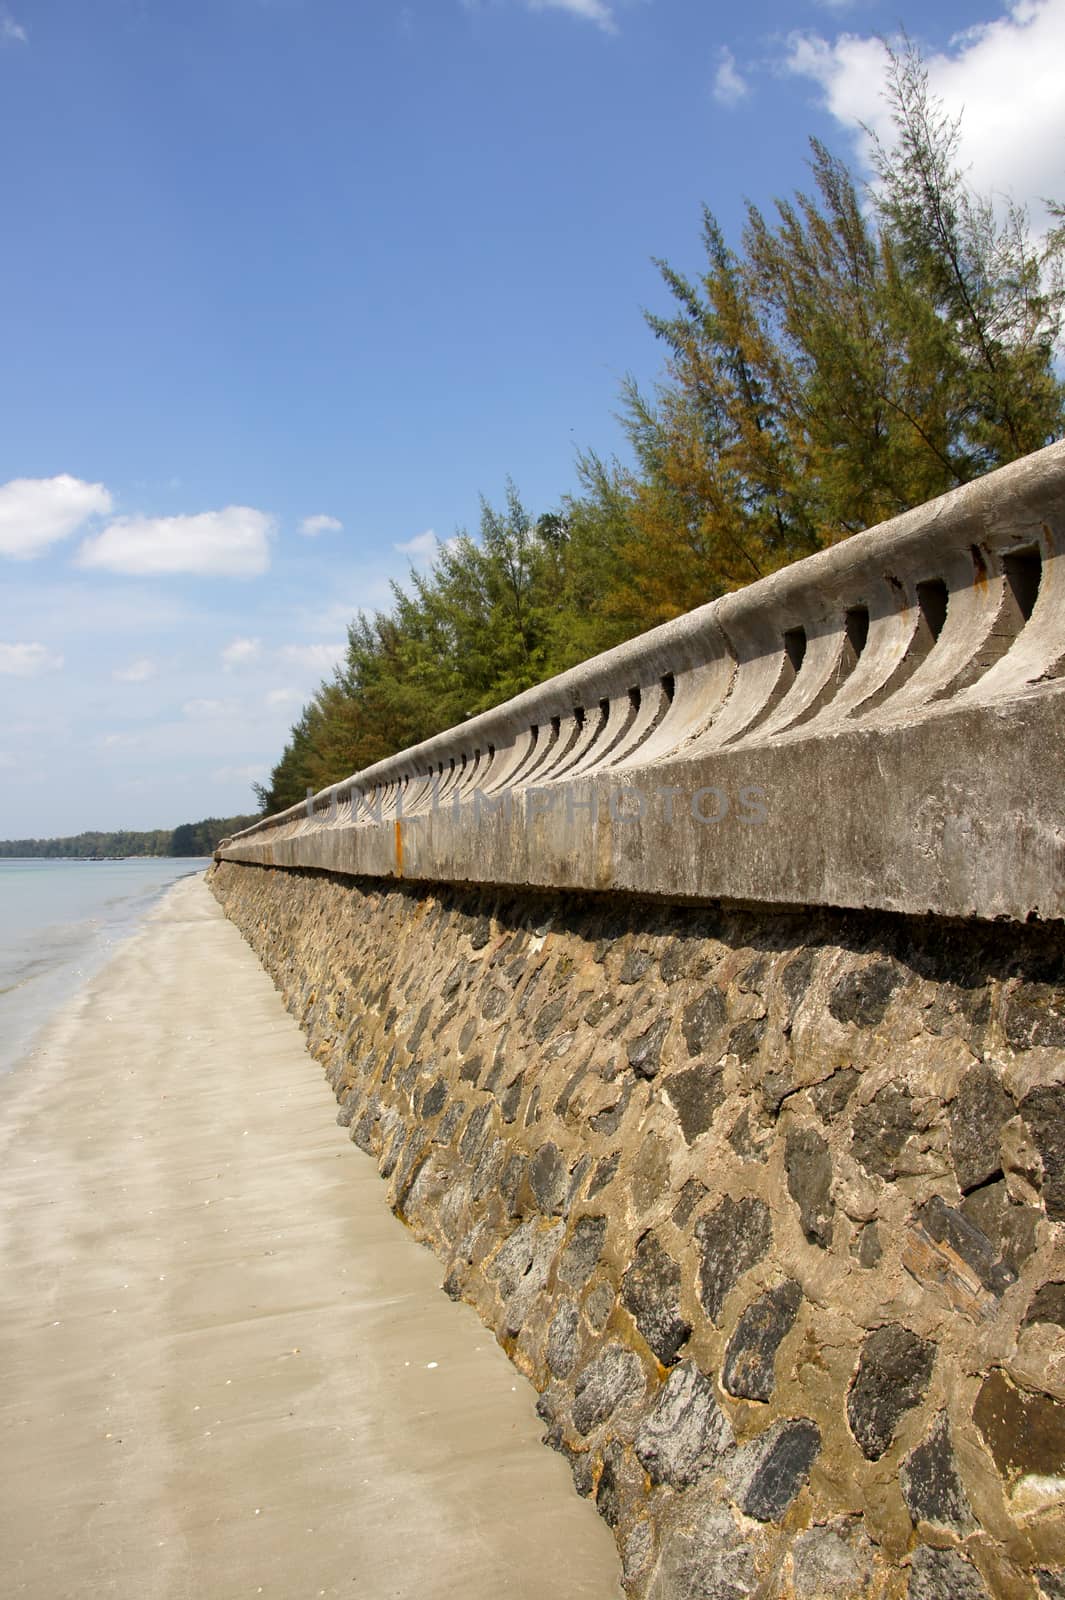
{"x":565,"y":757}
{"x":547,"y":760}
{"x":932,"y":598}
{"x":795,"y":646}
{"x":574,"y":733}
{"x":522,"y":766}
{"x":1024,"y":574}
{"x":630,"y":717}
{"x":665,"y":698}
{"x":856,"y":624}
{"x":669,"y":687}
{"x":604,"y":717}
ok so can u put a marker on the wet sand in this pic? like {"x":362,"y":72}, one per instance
{"x":228,"y":1370}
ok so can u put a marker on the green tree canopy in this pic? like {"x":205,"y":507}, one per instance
{"x":863,"y":351}
{"x":190,"y":839}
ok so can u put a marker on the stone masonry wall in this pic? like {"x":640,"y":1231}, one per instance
{"x":768,"y":1207}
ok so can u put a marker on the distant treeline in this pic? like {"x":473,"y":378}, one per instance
{"x":190,"y":839}
{"x":852,"y":353}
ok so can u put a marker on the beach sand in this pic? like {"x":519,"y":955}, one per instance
{"x":228,"y":1369}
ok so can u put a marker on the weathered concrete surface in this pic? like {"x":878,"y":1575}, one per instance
{"x":769,"y":1207}
{"x":228,"y":1371}
{"x":877,"y":726}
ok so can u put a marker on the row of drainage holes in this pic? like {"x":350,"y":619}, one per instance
{"x":1023,"y":571}
{"x":667,"y":683}
{"x":668,"y":686}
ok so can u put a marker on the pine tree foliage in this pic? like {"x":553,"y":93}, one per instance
{"x":862,"y":352}
{"x":989,"y":299}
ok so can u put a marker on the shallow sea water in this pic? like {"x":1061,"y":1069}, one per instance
{"x":60,"y":921}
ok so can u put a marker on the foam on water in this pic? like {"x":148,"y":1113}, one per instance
{"x":59,"y":923}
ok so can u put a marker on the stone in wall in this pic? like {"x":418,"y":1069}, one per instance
{"x":732,"y":1239}
{"x":695,"y":1095}
{"x":1024,"y":1431}
{"x":748,"y":1370}
{"x":611,"y":1377}
{"x":944,"y":1575}
{"x":776,"y":1466}
{"x":1043,"y":1111}
{"x":980,"y":1111}
{"x":650,"y":1290}
{"x":766,"y":1206}
{"x":892,"y":1377}
{"x":931,"y":1485}
{"x":809,"y":1169}
{"x":686,"y":1432}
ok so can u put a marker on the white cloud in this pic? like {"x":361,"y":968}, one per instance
{"x":241,"y":653}
{"x":120,"y":741}
{"x":11,"y":32}
{"x":320,"y":658}
{"x":277,"y":699}
{"x":310,"y":527}
{"x":233,"y":543}
{"x":1003,"y":77}
{"x":28,"y":660}
{"x":590,"y":10}
{"x":38,"y":512}
{"x":204,"y":710}
{"x":138,"y":671}
{"x":421,"y":548}
{"x":8,"y":762}
{"x":730,"y":87}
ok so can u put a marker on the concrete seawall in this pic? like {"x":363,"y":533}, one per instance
{"x":766,"y":1193}
{"x":768,"y":1207}
{"x":877,"y":726}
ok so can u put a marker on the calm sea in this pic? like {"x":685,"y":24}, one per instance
{"x":59,"y":923}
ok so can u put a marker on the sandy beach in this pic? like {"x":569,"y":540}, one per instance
{"x":228,"y":1370}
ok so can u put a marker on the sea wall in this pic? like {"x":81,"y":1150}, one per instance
{"x":877,"y":726}
{"x":767,"y":1204}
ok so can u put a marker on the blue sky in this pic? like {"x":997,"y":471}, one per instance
{"x":276,"y":260}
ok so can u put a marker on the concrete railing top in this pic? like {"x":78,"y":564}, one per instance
{"x":931,"y":647}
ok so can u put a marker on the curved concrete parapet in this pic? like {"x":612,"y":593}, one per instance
{"x":877,"y":726}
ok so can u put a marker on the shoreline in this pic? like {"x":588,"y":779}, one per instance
{"x":47,"y":964}
{"x":231,"y":1370}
